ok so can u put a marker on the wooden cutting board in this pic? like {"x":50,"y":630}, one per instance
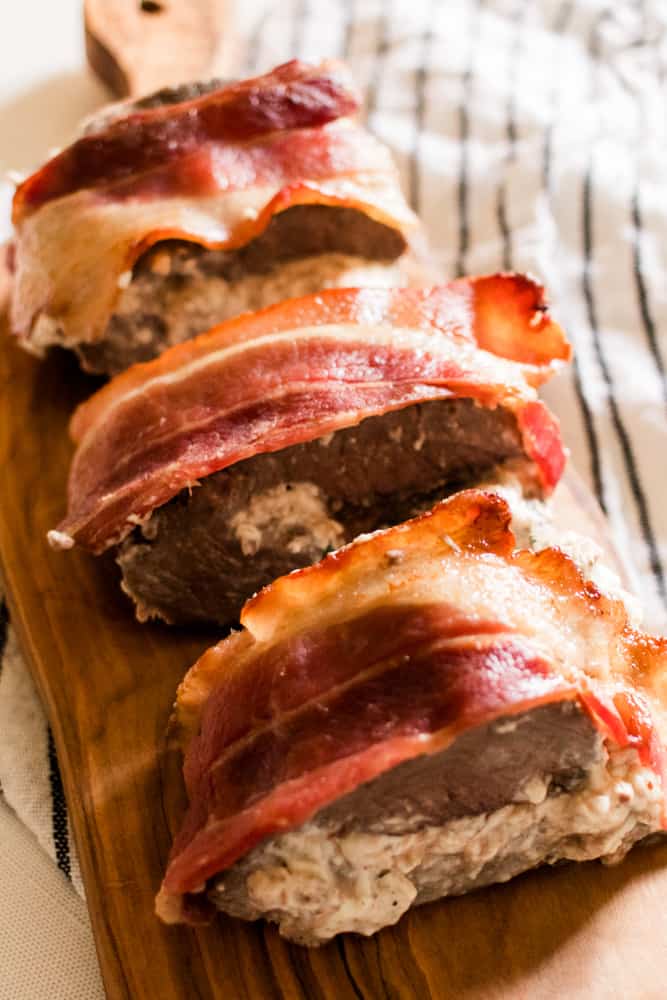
{"x":108,"y":684}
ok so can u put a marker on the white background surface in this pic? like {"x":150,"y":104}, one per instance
{"x":45,"y":88}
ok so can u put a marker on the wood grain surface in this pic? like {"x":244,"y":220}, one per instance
{"x":108,"y":683}
{"x":137,"y":46}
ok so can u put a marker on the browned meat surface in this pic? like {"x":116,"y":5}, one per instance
{"x":483,"y":770}
{"x":538,"y":788}
{"x":203,"y":554}
{"x":179,"y":289}
{"x":502,"y":798}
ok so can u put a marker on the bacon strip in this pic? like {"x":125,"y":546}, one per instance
{"x":214,"y":171}
{"x":292,"y":96}
{"x":386,"y":650}
{"x":302,"y":369}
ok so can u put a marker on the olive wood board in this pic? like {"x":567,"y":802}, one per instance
{"x":108,"y":684}
{"x":138,"y":46}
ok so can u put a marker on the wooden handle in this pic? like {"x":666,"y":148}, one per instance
{"x":137,"y":46}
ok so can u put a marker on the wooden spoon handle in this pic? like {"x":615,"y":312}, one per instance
{"x":137,"y":46}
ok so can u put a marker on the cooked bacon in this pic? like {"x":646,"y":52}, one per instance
{"x":292,"y":96}
{"x":300,"y":370}
{"x":385,"y":650}
{"x":213,"y":171}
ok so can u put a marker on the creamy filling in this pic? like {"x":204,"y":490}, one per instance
{"x":297,"y":511}
{"x":199,"y":299}
{"x":295,"y":517}
{"x":316,"y":883}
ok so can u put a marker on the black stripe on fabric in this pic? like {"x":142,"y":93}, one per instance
{"x":464,"y":144}
{"x":560,"y":23}
{"x":637,"y":224}
{"x":59,"y":810}
{"x":421,"y":81}
{"x":503,"y":225}
{"x":592,"y":441}
{"x":4,"y":626}
{"x":518,"y":15}
{"x":589,"y":297}
{"x":642,"y":293}
{"x":619,"y":426}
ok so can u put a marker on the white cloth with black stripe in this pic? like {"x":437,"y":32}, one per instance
{"x":529,"y":136}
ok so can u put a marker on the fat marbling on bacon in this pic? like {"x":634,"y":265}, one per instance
{"x":155,"y":225}
{"x":351,"y":400}
{"x":427,"y":710}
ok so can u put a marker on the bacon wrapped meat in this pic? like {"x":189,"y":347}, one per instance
{"x":182,"y":211}
{"x":428,"y":710}
{"x":257,"y":447}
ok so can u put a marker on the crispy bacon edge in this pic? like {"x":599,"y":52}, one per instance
{"x":628,"y":706}
{"x":292,"y":96}
{"x":243,"y":153}
{"x":501,"y":316}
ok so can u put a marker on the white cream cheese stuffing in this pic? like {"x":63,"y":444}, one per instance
{"x":204,"y":299}
{"x":301,"y":512}
{"x":316,"y":884}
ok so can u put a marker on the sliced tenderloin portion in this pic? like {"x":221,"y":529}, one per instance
{"x":334,"y":874}
{"x":179,"y":289}
{"x":254,"y":449}
{"x":169,"y":216}
{"x":203,"y":553}
{"x":428,"y":710}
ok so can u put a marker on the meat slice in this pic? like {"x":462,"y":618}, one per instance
{"x":174,"y":213}
{"x":303,"y":425}
{"x":425,"y":711}
{"x":543,"y":787}
{"x":200,"y":556}
{"x":180,"y":289}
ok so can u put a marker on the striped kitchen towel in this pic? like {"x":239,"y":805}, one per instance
{"x":529,"y":135}
{"x":29,"y":774}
